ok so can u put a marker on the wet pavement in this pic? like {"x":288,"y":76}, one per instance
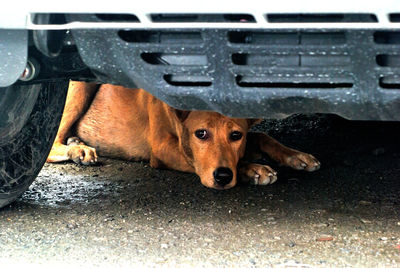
{"x":124,"y":214}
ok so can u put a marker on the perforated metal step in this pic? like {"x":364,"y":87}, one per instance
{"x":253,"y":73}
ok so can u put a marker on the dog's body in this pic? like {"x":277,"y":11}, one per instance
{"x":133,"y":125}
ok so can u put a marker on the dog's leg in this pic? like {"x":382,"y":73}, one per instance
{"x":166,"y":154}
{"x":79,"y":97}
{"x":261,"y":142}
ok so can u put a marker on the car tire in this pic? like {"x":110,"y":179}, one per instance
{"x":27,"y":132}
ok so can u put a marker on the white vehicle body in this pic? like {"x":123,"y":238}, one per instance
{"x":20,"y":14}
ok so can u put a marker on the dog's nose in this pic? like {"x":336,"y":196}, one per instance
{"x":223,"y":175}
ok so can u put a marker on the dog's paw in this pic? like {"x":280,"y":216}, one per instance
{"x":303,"y":161}
{"x":257,"y":174}
{"x":82,"y":154}
{"x":74,"y":141}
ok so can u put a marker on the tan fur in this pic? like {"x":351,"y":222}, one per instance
{"x":131,"y":124}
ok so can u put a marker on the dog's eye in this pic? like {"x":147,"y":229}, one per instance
{"x":202,"y":134}
{"x":236,"y":135}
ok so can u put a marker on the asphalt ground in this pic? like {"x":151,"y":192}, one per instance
{"x":126,"y":214}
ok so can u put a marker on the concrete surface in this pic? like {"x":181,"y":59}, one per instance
{"x":123,"y":214}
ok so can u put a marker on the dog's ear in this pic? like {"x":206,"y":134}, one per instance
{"x":252,"y":122}
{"x":181,"y":115}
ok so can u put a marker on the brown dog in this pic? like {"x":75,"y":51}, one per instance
{"x":133,"y":125}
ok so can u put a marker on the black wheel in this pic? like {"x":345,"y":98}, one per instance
{"x":29,"y":119}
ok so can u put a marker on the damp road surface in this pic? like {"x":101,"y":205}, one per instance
{"x":126,"y":214}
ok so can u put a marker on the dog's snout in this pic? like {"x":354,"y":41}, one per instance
{"x":223,"y":175}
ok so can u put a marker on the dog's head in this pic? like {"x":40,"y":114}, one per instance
{"x":213,"y":144}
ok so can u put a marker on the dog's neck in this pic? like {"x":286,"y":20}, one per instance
{"x":184,"y":146}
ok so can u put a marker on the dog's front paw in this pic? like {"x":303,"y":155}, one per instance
{"x":257,"y":174}
{"x":303,"y":161}
{"x":82,"y":154}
